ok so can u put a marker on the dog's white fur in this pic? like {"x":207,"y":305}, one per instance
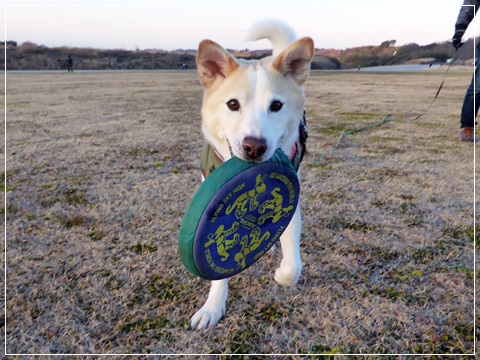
{"x":230,"y":127}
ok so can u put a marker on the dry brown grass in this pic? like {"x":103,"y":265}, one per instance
{"x":100,"y":168}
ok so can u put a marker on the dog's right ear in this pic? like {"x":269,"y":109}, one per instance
{"x":214,"y":62}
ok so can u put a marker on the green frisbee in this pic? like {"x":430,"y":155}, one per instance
{"x":237,"y":215}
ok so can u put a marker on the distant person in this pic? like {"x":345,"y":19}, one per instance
{"x":69,"y":63}
{"x":471,"y":102}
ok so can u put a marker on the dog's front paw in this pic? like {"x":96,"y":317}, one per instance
{"x":288,"y":274}
{"x":208,"y":315}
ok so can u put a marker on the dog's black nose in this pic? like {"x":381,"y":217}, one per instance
{"x":254,"y":147}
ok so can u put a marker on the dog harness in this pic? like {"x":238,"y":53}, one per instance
{"x":211,"y":159}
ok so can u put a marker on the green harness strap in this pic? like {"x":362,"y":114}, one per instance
{"x":210,"y":160}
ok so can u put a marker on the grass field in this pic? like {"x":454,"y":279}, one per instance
{"x":101,"y":167}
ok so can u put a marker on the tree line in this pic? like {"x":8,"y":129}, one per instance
{"x":30,"y":56}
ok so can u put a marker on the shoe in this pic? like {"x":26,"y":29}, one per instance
{"x":468,"y":134}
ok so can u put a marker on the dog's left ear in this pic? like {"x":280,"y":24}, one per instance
{"x":214,"y":63}
{"x":295,"y":60}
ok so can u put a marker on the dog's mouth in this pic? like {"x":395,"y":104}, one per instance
{"x":240,"y":155}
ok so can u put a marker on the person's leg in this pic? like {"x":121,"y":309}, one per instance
{"x":471,"y":103}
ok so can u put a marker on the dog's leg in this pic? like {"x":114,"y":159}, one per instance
{"x":214,"y":308}
{"x":291,"y":265}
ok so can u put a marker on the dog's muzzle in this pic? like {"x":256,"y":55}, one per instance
{"x":254,"y":148}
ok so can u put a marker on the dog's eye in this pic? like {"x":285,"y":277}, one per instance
{"x":233,"y":105}
{"x":276,"y":106}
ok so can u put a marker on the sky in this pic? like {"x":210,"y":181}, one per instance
{"x":182,"y":24}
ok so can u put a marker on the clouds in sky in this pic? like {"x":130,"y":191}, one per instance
{"x":172,"y":25}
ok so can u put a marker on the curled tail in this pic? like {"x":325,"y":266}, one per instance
{"x":280,"y":34}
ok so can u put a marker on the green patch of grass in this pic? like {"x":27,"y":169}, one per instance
{"x":404,"y":275}
{"x":388,"y":172}
{"x":465,"y":330}
{"x":377,"y":139}
{"x":8,"y":187}
{"x":339,"y":224}
{"x":113,"y":283}
{"x":243,"y":340}
{"x":273,"y":312}
{"x":428,"y":161}
{"x":427,"y":126}
{"x":322,"y":352}
{"x":413,"y":215}
{"x":165,"y":289}
{"x":465,"y":234}
{"x":330,"y":198}
{"x":96,"y":235}
{"x":12,"y":210}
{"x":358,"y":115}
{"x":388,"y":292}
{"x":73,"y":196}
{"x":321,"y":171}
{"x":29,"y":216}
{"x":320,"y":166}
{"x":464,"y":270}
{"x":142,"y":248}
{"x":73,"y":221}
{"x":333,"y":129}
{"x":155,"y":328}
{"x":415,"y":220}
{"x":426,"y":254}
{"x":436,"y":151}
{"x":388,"y":150}
{"x":404,"y":208}
{"x":455,"y":341}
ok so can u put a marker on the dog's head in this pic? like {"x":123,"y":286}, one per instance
{"x":251,"y":108}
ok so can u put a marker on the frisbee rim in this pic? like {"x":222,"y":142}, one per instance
{"x":204,"y":196}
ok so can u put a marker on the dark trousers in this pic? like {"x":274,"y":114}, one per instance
{"x":471,"y":103}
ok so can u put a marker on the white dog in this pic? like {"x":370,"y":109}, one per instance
{"x":250,"y":109}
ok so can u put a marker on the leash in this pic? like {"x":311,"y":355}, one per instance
{"x":440,"y":87}
{"x":386,"y":119}
{"x":346,"y":133}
